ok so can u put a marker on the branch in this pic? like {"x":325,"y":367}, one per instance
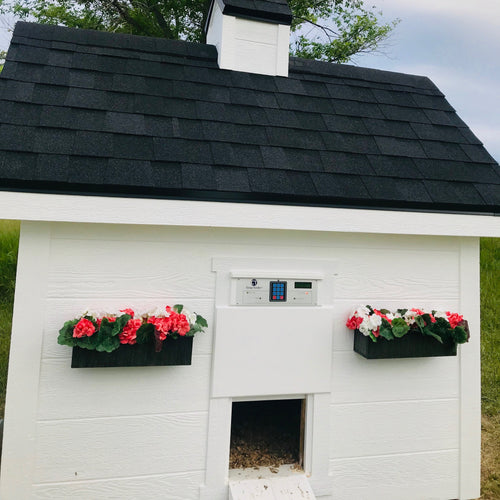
{"x":328,"y":31}
{"x":164,"y":26}
{"x":125,"y":15}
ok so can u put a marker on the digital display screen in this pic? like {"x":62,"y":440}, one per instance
{"x":303,"y":284}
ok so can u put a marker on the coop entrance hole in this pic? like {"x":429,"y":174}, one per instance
{"x":267,"y":433}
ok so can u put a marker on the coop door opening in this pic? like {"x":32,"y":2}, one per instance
{"x":267,"y":433}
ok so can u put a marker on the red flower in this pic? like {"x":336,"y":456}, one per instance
{"x":84,"y":328}
{"x":354,"y":322}
{"x":382,"y":315}
{"x":180,"y":324}
{"x":418,"y":312}
{"x":174,"y":323}
{"x":128,"y":311}
{"x":162,"y":326}
{"x":129,"y":333}
{"x":454,"y":318}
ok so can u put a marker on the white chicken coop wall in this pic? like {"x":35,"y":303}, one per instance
{"x":397,"y":428}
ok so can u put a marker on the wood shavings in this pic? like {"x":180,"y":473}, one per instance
{"x":264,"y":440}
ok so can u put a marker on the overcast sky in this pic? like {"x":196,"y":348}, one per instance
{"x":456,"y":43}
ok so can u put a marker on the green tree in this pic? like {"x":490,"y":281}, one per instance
{"x":328,"y":30}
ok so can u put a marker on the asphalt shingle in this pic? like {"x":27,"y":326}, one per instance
{"x":116,"y":113}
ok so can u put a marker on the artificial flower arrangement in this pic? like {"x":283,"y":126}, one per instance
{"x":107,"y":332}
{"x":444,"y":326}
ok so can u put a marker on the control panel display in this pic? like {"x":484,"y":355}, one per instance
{"x":277,"y":292}
{"x":303,"y":284}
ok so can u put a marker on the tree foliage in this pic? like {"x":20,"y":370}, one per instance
{"x":335,"y":31}
{"x":328,"y":30}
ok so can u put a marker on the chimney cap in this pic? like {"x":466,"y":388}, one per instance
{"x":272,"y":11}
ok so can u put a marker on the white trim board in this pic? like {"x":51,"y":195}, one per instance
{"x":19,"y":440}
{"x":116,"y":210}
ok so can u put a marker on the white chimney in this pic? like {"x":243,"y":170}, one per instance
{"x":250,"y":39}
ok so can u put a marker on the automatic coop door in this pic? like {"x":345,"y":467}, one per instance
{"x":273,"y":337}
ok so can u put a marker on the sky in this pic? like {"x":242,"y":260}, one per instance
{"x":456,"y":43}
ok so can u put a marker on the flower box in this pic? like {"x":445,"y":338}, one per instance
{"x":158,"y":338}
{"x":412,"y":345}
{"x":174,"y":352}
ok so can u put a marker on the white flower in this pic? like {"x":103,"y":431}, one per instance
{"x":190,"y":316}
{"x":370,"y":324}
{"x":364,"y":328}
{"x":440,"y":314}
{"x":140,"y":313}
{"x":362,"y":312}
{"x":159,"y":312}
{"x":409,"y":317}
{"x":93,"y":313}
{"x":375,"y":321}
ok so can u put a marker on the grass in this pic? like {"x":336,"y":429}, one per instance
{"x":490,"y":325}
{"x":490,"y":345}
{"x":490,"y":368}
{"x":9,"y":238}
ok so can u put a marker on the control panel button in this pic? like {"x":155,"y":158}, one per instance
{"x":277,"y":291}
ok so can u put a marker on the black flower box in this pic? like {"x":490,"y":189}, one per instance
{"x":174,"y":352}
{"x":412,"y":345}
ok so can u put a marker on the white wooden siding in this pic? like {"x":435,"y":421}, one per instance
{"x":141,"y":390}
{"x":134,"y":427}
{"x":355,"y":379}
{"x":371,"y":429}
{"x":412,"y":476}
{"x":182,"y":486}
{"x":100,"y":448}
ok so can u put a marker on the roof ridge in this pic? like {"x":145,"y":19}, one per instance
{"x":305,"y":66}
{"x":120,"y":41}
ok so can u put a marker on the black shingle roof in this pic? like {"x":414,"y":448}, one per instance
{"x":100,"y":113}
{"x":269,"y":10}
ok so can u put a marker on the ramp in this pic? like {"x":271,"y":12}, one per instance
{"x":295,"y":487}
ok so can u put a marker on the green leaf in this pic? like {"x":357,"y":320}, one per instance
{"x":459,"y":335}
{"x":108,"y":344}
{"x":428,"y":331}
{"x":106,"y":328}
{"x":441,"y":328}
{"x":201,"y":321}
{"x":427,"y":319}
{"x":66,"y":333}
{"x":420,"y":322}
{"x":373,"y":337}
{"x":145,"y":333}
{"x":399,"y":327}
{"x":385,"y":330}
{"x":178,"y":308}
{"x":120,"y":322}
{"x":88,"y":342}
